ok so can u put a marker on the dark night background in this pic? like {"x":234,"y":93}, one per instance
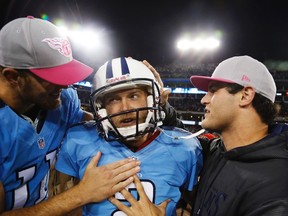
{"x":149,"y":29}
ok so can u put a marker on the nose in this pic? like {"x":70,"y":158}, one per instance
{"x":125,"y":104}
{"x":205,"y":100}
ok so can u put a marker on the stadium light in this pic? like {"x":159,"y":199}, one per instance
{"x":198,"y":44}
{"x":84,"y":37}
{"x":184,"y":44}
{"x":88,"y":41}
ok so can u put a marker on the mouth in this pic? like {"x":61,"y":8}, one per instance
{"x":206,"y":111}
{"x":127,"y":122}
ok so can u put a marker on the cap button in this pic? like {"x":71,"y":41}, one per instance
{"x":30,"y":17}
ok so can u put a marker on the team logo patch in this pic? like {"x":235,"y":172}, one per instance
{"x":60,"y":44}
{"x":117,"y":79}
{"x":41,"y":143}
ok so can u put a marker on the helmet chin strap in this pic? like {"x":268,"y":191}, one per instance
{"x":127,"y":131}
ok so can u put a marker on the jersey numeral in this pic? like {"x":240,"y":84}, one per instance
{"x":149,"y":189}
{"x":21,"y":194}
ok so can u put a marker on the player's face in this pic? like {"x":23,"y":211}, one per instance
{"x":126,"y":100}
{"x":220,"y":108}
{"x":37,"y":91}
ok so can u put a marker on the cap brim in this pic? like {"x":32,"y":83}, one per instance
{"x":65,"y":74}
{"x":202,"y":82}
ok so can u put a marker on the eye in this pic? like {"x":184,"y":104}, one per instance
{"x":111,"y":101}
{"x":134,"y":96}
{"x":213,"y":88}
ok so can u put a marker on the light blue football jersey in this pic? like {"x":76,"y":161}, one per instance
{"x":26,"y":156}
{"x":168,"y":163}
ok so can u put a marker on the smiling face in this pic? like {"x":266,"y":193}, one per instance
{"x":220,"y":107}
{"x":126,"y":100}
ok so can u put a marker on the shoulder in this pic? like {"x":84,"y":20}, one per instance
{"x":85,"y":125}
{"x":182,"y":146}
{"x":81,"y":140}
{"x":69,"y":94}
{"x":178,"y":135}
{"x":81,"y":134}
{"x":86,"y":128}
{"x":177,"y":139}
{"x":175,"y":131}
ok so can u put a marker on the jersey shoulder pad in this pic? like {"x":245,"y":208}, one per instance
{"x":86,"y":124}
{"x":176,"y":131}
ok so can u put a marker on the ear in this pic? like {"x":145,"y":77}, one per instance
{"x":10,"y":74}
{"x":248,"y":94}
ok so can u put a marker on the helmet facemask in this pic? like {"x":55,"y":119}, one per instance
{"x":105,"y":124}
{"x":123,"y":74}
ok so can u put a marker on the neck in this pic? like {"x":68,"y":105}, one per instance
{"x":243,"y":136}
{"x":141,"y":142}
{"x":32,"y":113}
{"x":134,"y":144}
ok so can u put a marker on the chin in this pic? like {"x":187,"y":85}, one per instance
{"x":51,"y":106}
{"x":205,"y":125}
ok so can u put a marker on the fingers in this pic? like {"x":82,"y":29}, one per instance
{"x":118,"y":171}
{"x":94,"y":161}
{"x":139,"y":187}
{"x":129,"y":197}
{"x":164,"y":204}
{"x":123,"y":175}
{"x":119,"y":204}
{"x":122,"y":185}
{"x":164,"y":93}
{"x":155,"y":73}
{"x":124,"y":164}
{"x":143,"y":206}
{"x":165,"y":96}
{"x":125,"y":178}
{"x":127,"y":170}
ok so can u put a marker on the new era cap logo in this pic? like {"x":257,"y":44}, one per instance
{"x":245,"y":78}
{"x":59,"y":44}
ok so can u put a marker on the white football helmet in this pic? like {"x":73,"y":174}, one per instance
{"x":119,"y":74}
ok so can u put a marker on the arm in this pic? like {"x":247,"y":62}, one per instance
{"x":189,"y":196}
{"x":171,"y":116}
{"x":64,"y":182}
{"x":2,"y":198}
{"x":87,"y":116}
{"x":170,"y":113}
{"x":112,"y":178}
{"x":142,"y":207}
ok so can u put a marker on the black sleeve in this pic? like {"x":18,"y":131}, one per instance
{"x":171,"y":117}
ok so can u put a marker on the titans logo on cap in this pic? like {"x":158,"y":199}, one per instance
{"x":59,"y":44}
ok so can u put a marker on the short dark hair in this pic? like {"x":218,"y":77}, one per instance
{"x":23,"y":72}
{"x":266,"y":109}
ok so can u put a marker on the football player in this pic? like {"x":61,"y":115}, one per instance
{"x":128,"y":115}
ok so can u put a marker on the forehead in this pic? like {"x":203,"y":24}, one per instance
{"x":126,"y":91}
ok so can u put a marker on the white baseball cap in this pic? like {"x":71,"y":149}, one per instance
{"x":243,"y":70}
{"x":38,"y":45}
